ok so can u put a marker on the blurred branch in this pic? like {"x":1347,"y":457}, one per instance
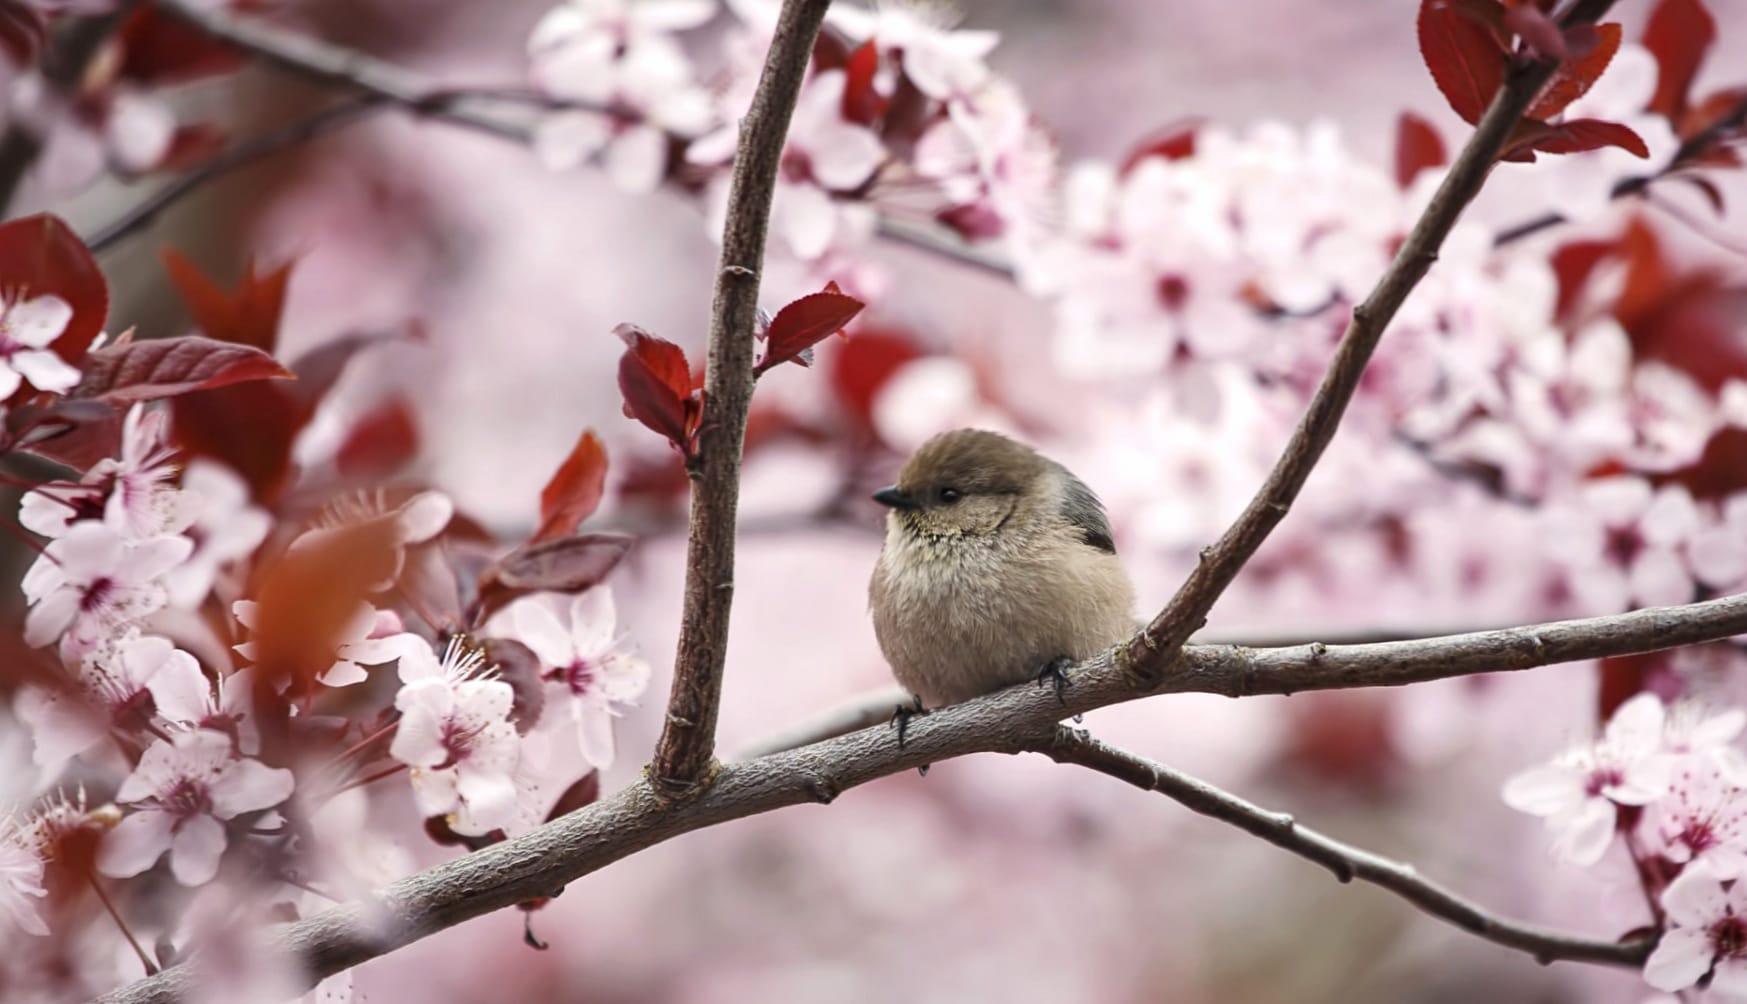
{"x":143,"y":213}
{"x":938,"y":240}
{"x":1156,"y":647}
{"x":1009,"y":721}
{"x":1344,"y":860}
{"x":685,"y":753}
{"x":851,"y":716}
{"x":64,"y":64}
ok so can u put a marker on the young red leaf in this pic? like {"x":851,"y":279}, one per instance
{"x":1463,"y":56}
{"x":566,"y":565}
{"x":805,"y":323}
{"x":863,"y":104}
{"x":1678,"y":34}
{"x":165,"y":367}
{"x":1174,"y":142}
{"x":248,"y":316}
{"x":1575,"y":76}
{"x":861,"y":367}
{"x":40,"y":255}
{"x":1417,"y":147}
{"x":158,"y":48}
{"x":382,"y":442}
{"x":517,"y":665}
{"x":574,"y":491}
{"x":1591,"y":134}
{"x":656,"y":383}
{"x":1535,"y":27}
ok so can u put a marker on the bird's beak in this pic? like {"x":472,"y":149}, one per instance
{"x":891,"y":497}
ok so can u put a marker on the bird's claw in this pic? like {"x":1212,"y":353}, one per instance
{"x":902,"y":714}
{"x":1056,"y":672}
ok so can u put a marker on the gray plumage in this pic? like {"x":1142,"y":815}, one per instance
{"x":996,"y":562}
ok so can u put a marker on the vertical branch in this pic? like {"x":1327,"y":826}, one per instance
{"x":1156,"y":647}
{"x":685,"y":754}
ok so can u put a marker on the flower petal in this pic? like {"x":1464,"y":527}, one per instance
{"x":1681,"y":958}
{"x":248,"y":785}
{"x":1544,"y":790}
{"x":38,"y":321}
{"x":538,"y":628}
{"x":195,"y":850}
{"x":135,"y":844}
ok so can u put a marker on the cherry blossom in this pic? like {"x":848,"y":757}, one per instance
{"x":182,"y":792}
{"x":27,"y":328}
{"x":943,"y":63}
{"x":1702,"y":821}
{"x":587,"y":672}
{"x":20,"y":882}
{"x":1718,"y":549}
{"x":995,"y":167}
{"x":91,"y":582}
{"x":456,"y":734}
{"x":1707,"y":933}
{"x":227,"y":529}
{"x":1580,"y":791}
{"x":141,"y":503}
{"x":1624,"y":540}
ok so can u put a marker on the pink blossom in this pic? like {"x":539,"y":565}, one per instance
{"x":142,"y":503}
{"x":1624,"y":541}
{"x":941,"y":62}
{"x":1702,"y":820}
{"x":991,"y":159}
{"x":20,"y":882}
{"x":1707,"y":933}
{"x":587,"y":672}
{"x":127,"y":685}
{"x":1718,"y":549}
{"x":227,"y":529}
{"x":456,"y":734}
{"x":92,"y":582}
{"x":182,"y":792}
{"x":1580,"y":791}
{"x":27,"y":328}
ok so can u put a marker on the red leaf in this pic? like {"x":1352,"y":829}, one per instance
{"x":862,"y":102}
{"x":863,"y":365}
{"x":656,"y":383}
{"x":1464,"y":58}
{"x":159,"y":49}
{"x":1573,"y":264}
{"x":517,"y":665}
{"x":22,"y":33}
{"x":1534,"y":27}
{"x":192,"y":146}
{"x":311,"y":593}
{"x":1417,"y":147}
{"x":248,"y":316}
{"x":1174,"y":142}
{"x":566,"y":565}
{"x":1575,"y":76}
{"x":40,"y":255}
{"x":1721,"y":469}
{"x":805,"y":323}
{"x":974,"y":221}
{"x":1591,"y":134}
{"x":575,"y":490}
{"x":1678,"y":34}
{"x":382,"y":442}
{"x":165,"y":367}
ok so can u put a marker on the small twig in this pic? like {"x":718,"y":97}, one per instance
{"x":1344,"y":860}
{"x":142,"y":214}
{"x":126,"y":932}
{"x":687,"y":745}
{"x":942,"y":242}
{"x":1157,"y":646}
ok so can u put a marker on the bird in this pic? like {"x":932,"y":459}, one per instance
{"x":998,"y":567}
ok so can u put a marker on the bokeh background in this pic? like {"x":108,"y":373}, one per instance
{"x":994,"y":877}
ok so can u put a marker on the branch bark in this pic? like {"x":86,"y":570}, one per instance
{"x":1009,"y":721}
{"x":686,"y":750}
{"x":1157,"y":646}
{"x":1344,"y":860}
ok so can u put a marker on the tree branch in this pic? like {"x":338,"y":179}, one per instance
{"x":1009,"y":721}
{"x":1344,"y":860}
{"x":1157,"y":646}
{"x":686,"y":750}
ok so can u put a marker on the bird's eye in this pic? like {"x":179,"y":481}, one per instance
{"x":950,"y":495}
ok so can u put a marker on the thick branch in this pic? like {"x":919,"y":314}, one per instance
{"x":687,"y":746}
{"x":1344,"y":860}
{"x":1157,"y":646}
{"x":1010,"y":721}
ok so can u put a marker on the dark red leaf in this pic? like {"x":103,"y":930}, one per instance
{"x":566,"y":565}
{"x":309,"y":595}
{"x":75,"y":433}
{"x":1573,"y":264}
{"x":1691,"y":320}
{"x":160,"y":49}
{"x":1575,"y":76}
{"x":974,"y":221}
{"x":1174,"y":142}
{"x":656,"y":383}
{"x":247,"y":316}
{"x":805,"y":323}
{"x":22,"y":33}
{"x":1535,"y":28}
{"x":192,"y":146}
{"x":1464,"y":58}
{"x":861,"y":367}
{"x":165,"y":367}
{"x":1710,"y":112}
{"x":382,"y":442}
{"x":1720,"y":471}
{"x":40,"y":255}
{"x":517,"y":665}
{"x":575,"y":489}
{"x":1591,"y":134}
{"x":1623,"y":677}
{"x":862,"y":102}
{"x":429,"y":583}
{"x":583,"y":793}
{"x":1678,"y":34}
{"x":1707,"y":188}
{"x":1417,"y":147}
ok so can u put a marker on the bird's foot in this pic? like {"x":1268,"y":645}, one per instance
{"x":902,"y":714}
{"x":1056,"y":672}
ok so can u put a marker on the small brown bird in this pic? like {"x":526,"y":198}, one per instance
{"x":997,"y":564}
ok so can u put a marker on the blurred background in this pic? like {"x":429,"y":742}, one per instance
{"x":993,"y":877}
